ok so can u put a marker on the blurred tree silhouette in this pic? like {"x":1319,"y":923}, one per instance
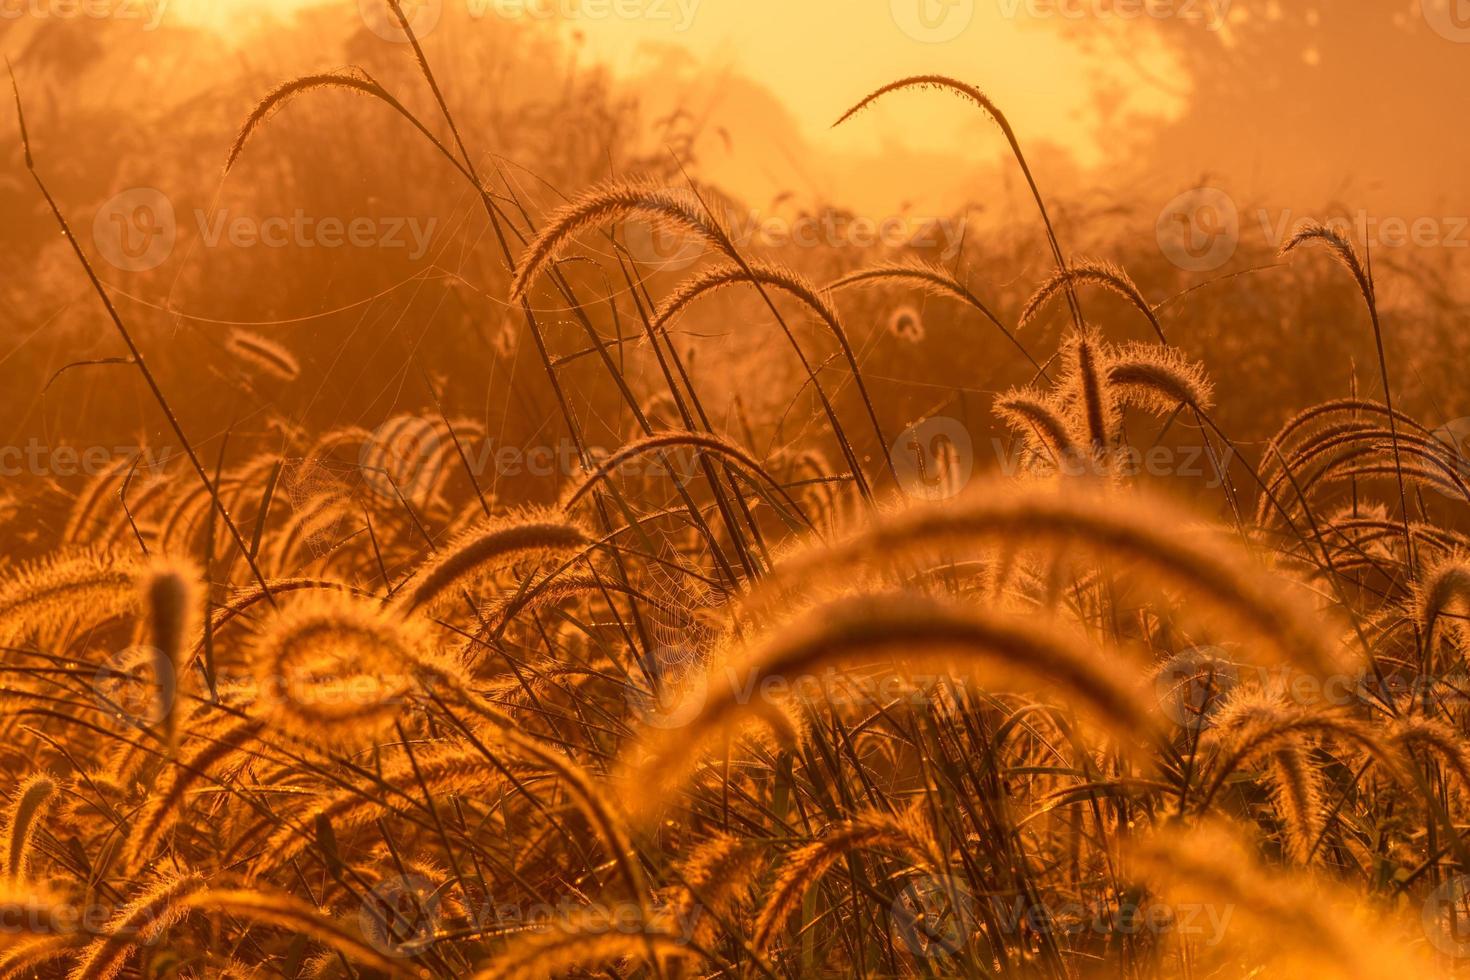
{"x":1304,"y":99}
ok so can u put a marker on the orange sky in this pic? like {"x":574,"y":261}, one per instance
{"x":820,"y":56}
{"x":1294,"y":108}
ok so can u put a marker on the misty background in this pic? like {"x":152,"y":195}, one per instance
{"x":1279,"y":111}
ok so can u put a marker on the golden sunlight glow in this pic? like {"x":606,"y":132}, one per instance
{"x":794,"y":49}
{"x":496,"y":489}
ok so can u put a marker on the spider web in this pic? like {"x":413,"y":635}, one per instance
{"x":321,"y":493}
{"x":682,"y":634}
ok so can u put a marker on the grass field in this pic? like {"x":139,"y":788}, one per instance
{"x":616,"y":579}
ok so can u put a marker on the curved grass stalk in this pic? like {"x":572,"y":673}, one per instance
{"x":978,"y":98}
